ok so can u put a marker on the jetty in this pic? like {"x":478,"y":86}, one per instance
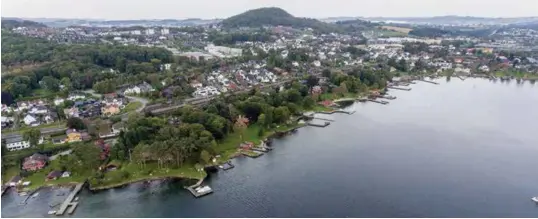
{"x":336,"y":111}
{"x":28,"y":196}
{"x":198,"y":191}
{"x":431,"y":82}
{"x":400,"y":88}
{"x":226,"y":166}
{"x":68,"y":203}
{"x":324,"y":119}
{"x":379,"y":101}
{"x":319,"y":125}
{"x":388,"y":97}
{"x":251,"y":154}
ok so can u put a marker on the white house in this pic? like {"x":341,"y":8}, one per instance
{"x":74,"y":97}
{"x":316,"y":63}
{"x":29,"y":119}
{"x":58,"y":101}
{"x":38,"y":110}
{"x":484,"y":68}
{"x":132,"y":90}
{"x":16,"y":142}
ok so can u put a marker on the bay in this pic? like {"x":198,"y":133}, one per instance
{"x":458,"y":149}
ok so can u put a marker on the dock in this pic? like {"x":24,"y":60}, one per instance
{"x":226,"y":166}
{"x":319,"y":125}
{"x":388,"y":97}
{"x":194,"y":189}
{"x":251,"y":154}
{"x":260,"y":149}
{"x":400,"y":88}
{"x":324,"y":119}
{"x":431,"y":82}
{"x":68,"y":201}
{"x":379,"y":101}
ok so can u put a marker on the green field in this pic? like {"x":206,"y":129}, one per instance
{"x":132,"y":106}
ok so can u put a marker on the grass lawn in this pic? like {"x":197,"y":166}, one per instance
{"x":132,"y":106}
{"x":137,"y":172}
{"x":8,"y":173}
{"x":38,"y":178}
{"x":59,"y":124}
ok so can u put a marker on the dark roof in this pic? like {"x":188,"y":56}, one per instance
{"x":13,"y":139}
{"x":54,"y":174}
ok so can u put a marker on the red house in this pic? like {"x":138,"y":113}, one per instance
{"x":35,"y":162}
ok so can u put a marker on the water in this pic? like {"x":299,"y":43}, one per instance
{"x":459,"y":149}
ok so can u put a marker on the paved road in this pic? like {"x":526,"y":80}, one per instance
{"x":53,"y":157}
{"x":144,"y":102}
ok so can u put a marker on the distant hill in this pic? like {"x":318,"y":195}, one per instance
{"x":14,"y":23}
{"x":274,"y":17}
{"x":455,"y":20}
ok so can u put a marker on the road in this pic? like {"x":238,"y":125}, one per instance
{"x":53,"y":157}
{"x":144,"y":102}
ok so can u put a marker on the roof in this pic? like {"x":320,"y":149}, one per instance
{"x":37,"y":156}
{"x":13,"y":139}
{"x":54,"y":174}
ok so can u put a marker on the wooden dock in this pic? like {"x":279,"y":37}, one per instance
{"x":68,"y":201}
{"x":252,"y":154}
{"x":400,"y":88}
{"x":431,"y":82}
{"x":388,"y":97}
{"x":319,"y":125}
{"x":379,"y":101}
{"x":226,"y":166}
{"x":196,"y":193}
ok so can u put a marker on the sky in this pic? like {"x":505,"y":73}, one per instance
{"x":209,"y":9}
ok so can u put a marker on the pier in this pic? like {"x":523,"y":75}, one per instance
{"x":68,"y":201}
{"x":226,"y":166}
{"x":388,"y":97}
{"x":379,"y":101}
{"x":330,"y":120}
{"x":319,"y":125}
{"x":431,"y":82}
{"x":198,"y":191}
{"x":251,"y":154}
{"x":400,"y":88}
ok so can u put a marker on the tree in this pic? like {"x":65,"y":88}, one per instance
{"x":281,"y":114}
{"x":240,"y":125}
{"x":50,"y":83}
{"x":66,"y":82}
{"x":205,"y":156}
{"x":75,"y":123}
{"x":261,"y":120}
{"x":312,"y":81}
{"x":32,"y":136}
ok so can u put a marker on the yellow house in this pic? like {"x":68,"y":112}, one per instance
{"x":73,"y":135}
{"x":110,"y":110}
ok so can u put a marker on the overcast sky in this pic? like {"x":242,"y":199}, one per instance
{"x":159,"y":9}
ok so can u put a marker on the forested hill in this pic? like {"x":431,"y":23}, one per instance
{"x":12,"y":23}
{"x":274,"y":17}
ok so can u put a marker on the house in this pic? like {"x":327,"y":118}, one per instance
{"x":110,"y":110}
{"x":59,"y":139}
{"x":484,"y":68}
{"x":35,"y":162}
{"x":53,"y":175}
{"x":50,"y":117}
{"x":72,"y":112}
{"x":29,"y":119}
{"x":6,"y":121}
{"x":141,"y":88}
{"x":66,"y":174}
{"x":316,"y":90}
{"x":58,"y":101}
{"x":16,"y":142}
{"x":75,"y":96}
{"x":73,"y":135}
{"x":246,"y":145}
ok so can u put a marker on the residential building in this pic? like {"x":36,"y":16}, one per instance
{"x":35,"y":162}
{"x":109,"y":110}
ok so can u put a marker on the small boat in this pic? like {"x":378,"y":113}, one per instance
{"x":535,"y":199}
{"x":35,"y":194}
{"x":51,"y":212}
{"x":76,"y":198}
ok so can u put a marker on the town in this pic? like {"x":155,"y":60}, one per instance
{"x":110,"y":97}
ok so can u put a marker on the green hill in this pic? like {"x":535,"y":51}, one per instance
{"x":274,"y":17}
{"x":12,"y":23}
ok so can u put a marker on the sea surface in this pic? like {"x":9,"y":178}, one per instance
{"x":457,"y":149}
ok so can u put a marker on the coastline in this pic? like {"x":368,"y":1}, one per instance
{"x":117,"y":185}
